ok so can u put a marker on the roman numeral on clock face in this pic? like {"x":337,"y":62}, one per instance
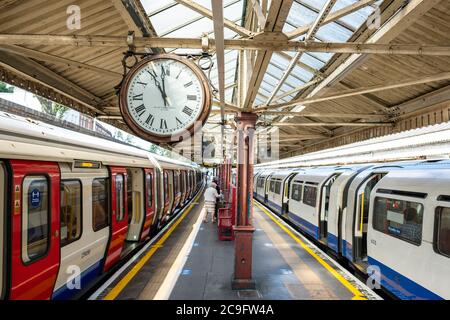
{"x":140,"y":110}
{"x":178,"y":121}
{"x":163,"y":124}
{"x":187,"y":85}
{"x":138,"y":97}
{"x":188,"y":111}
{"x":192,"y":97}
{"x":150,"y":119}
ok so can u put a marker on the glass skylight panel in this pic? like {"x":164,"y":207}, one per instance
{"x":267,"y":86}
{"x":151,"y":6}
{"x":258,"y":101}
{"x":300,"y":16}
{"x":280,"y":60}
{"x":164,"y":21}
{"x":311,"y":61}
{"x":233,"y":11}
{"x":356,"y":19}
{"x":301,"y":73}
{"x":317,"y":4}
{"x":333,"y":32}
{"x":193,"y":30}
{"x":276,"y":72}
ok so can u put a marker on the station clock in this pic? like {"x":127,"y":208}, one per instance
{"x":163,"y":96}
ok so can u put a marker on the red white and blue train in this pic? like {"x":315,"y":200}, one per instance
{"x":72,"y":204}
{"x":391,"y":218}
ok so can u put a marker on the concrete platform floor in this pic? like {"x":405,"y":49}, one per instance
{"x":282,"y":268}
{"x":190,"y":263}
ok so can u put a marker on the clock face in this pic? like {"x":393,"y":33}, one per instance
{"x":165,"y":96}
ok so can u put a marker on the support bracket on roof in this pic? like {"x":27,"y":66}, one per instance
{"x":205,"y":43}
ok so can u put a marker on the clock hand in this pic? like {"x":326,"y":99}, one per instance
{"x":163,"y":76}
{"x":158,"y":85}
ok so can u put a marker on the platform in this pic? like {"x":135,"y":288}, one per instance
{"x":192,"y":264}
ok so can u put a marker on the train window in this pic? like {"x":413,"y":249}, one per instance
{"x":296,"y":193}
{"x":166,"y":186}
{"x":399,"y":218}
{"x":309,"y":195}
{"x":175,"y":183}
{"x":35,"y":222}
{"x":278,"y":187}
{"x":120,"y":198}
{"x":70,"y":211}
{"x":149,"y":190}
{"x":442,"y":231}
{"x":100,"y":203}
{"x":272,"y":186}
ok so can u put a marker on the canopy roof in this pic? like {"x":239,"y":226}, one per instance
{"x":360,"y":90}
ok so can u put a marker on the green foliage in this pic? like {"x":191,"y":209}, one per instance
{"x":52,"y":108}
{"x":4,"y":88}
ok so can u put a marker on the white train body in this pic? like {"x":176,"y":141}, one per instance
{"x":392,"y":219}
{"x":73,"y":203}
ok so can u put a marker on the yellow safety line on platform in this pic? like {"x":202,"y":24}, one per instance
{"x":134,"y":271}
{"x":358,"y":295}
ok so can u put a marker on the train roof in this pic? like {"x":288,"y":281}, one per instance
{"x":60,"y":144}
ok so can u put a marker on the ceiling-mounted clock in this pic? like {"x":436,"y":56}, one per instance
{"x":162,"y":96}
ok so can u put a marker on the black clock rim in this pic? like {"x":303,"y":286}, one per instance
{"x":164,"y":138}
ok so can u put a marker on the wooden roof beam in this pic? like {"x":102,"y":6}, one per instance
{"x":209,"y":14}
{"x":324,"y":115}
{"x":46,"y":57}
{"x":422,"y":102}
{"x":37,"y":72}
{"x":263,"y":42}
{"x":333,"y":124}
{"x":360,"y":91}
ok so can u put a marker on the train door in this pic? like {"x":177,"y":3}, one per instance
{"x":158,"y":197}
{"x":176,"y":189}
{"x":266,"y":188}
{"x":361,"y":218}
{"x":325,"y":205}
{"x":188,"y":180}
{"x":136,"y":205}
{"x":166,"y":197}
{"x":182,"y":187}
{"x":35,"y":244}
{"x":285,"y":198}
{"x":2,"y":230}
{"x":118,"y":216}
{"x":171,"y":191}
{"x":149,"y":203}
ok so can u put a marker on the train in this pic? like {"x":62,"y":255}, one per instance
{"x":73,"y":206}
{"x":390,"y":221}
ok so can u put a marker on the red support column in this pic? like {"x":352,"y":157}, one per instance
{"x":244,"y":229}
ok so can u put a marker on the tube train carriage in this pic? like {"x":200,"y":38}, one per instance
{"x":392,"y":216}
{"x":75,"y":202}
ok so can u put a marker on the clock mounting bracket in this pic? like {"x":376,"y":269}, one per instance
{"x":131,"y":57}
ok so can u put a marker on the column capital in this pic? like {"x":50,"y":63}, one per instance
{"x":246,"y":119}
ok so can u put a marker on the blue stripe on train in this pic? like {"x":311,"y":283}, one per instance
{"x":274,"y":206}
{"x":347,"y":250}
{"x":304,"y":225}
{"x":87,"y":276}
{"x":260,"y":198}
{"x":401,"y":286}
{"x":332,"y":242}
